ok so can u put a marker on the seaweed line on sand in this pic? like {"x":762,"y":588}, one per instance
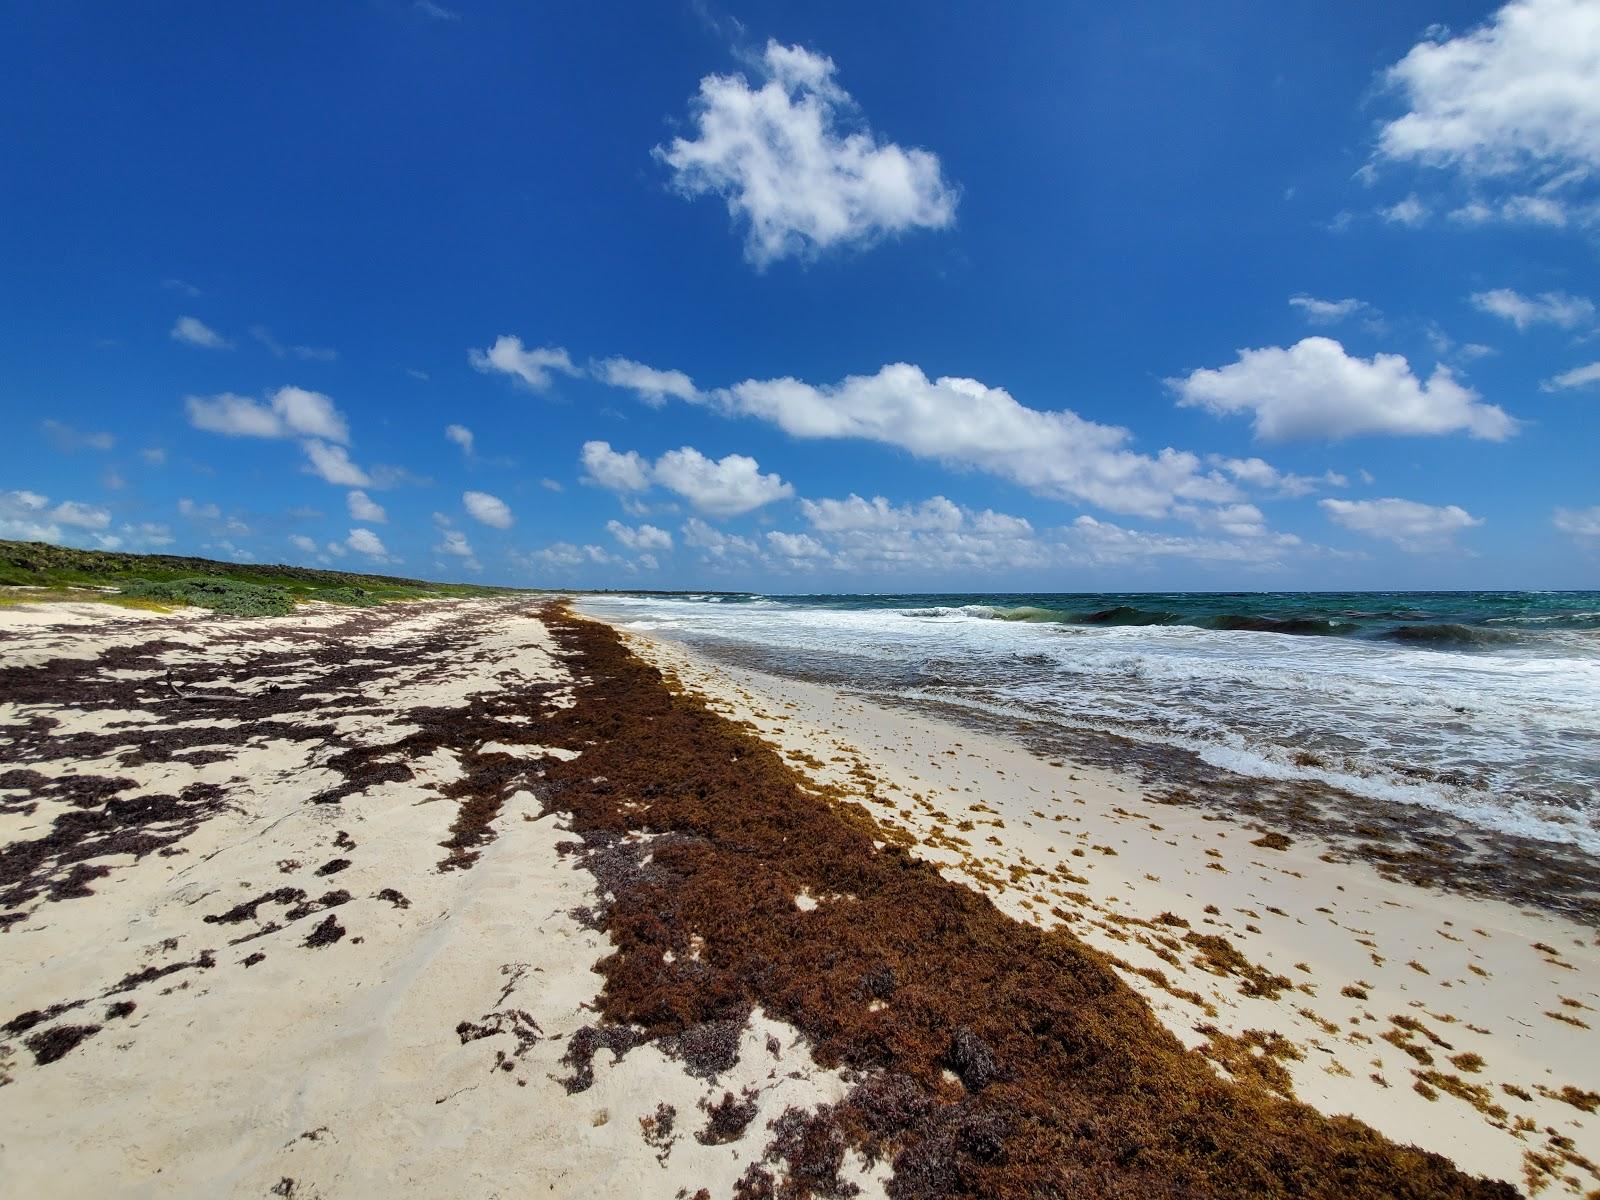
{"x":988,"y":1057}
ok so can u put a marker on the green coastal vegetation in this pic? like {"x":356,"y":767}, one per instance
{"x":37,"y":572}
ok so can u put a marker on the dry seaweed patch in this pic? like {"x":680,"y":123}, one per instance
{"x":1008,"y":1061}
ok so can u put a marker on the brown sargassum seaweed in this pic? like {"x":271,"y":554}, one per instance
{"x":990,"y":1057}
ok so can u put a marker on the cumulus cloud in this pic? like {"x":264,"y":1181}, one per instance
{"x":1517,"y":93}
{"x":716,"y":544}
{"x":1576,"y":378}
{"x":565,"y":554}
{"x":612,"y":470}
{"x":796,"y":547}
{"x":531,"y":368}
{"x":288,"y":412}
{"x":965,"y":423}
{"x":1547,"y":308}
{"x":491,"y":510}
{"x":364,"y":508}
{"x":29,"y":517}
{"x":302,"y":543}
{"x":1327,"y":312}
{"x":652,"y":386}
{"x":1407,"y":523}
{"x":1314,"y":389}
{"x":364,"y":541}
{"x":453,"y":542}
{"x":332,"y":463}
{"x":1510,"y":110}
{"x":192,"y":331}
{"x":644,"y":537}
{"x":797,"y":166}
{"x":461,"y":436}
{"x":722,"y":487}
{"x":1090,"y":542}
{"x":1411,"y":212}
{"x":1258,"y":473}
{"x":1582,"y":523}
{"x":876,"y":536}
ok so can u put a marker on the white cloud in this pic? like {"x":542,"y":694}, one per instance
{"x":364,"y":541}
{"x":310,"y":414}
{"x":233,"y":416}
{"x":645,"y":537}
{"x":1234,"y":520}
{"x":332,"y":463}
{"x":302,"y":543}
{"x":965,"y":423}
{"x":1548,"y":308}
{"x":565,"y":554}
{"x":652,"y":386}
{"x":364,"y":508}
{"x":1576,"y":378}
{"x":155,"y":456}
{"x":617,"y":472}
{"x":1411,"y":212}
{"x":1406,"y":523}
{"x":870,"y":536}
{"x":715,"y":543}
{"x":198,"y":512}
{"x":797,"y":166}
{"x":289,"y":412}
{"x":723,"y":487}
{"x":454,"y":543}
{"x":1313,"y":389}
{"x":1578,"y":522}
{"x":193,"y":332}
{"x":551,"y":485}
{"x":81,"y":516}
{"x":1519,"y":210}
{"x":530,"y":367}
{"x":27,"y":516}
{"x":1258,"y":473}
{"x":67,"y":439}
{"x":797,"y":547}
{"x":1326,"y":312}
{"x":461,"y":436}
{"x":1089,"y":542}
{"x":1515,"y":94}
{"x":491,"y":510}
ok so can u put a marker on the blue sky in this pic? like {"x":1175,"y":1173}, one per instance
{"x":1140,"y":296}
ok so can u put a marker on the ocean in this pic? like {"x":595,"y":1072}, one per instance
{"x":1481,"y":705}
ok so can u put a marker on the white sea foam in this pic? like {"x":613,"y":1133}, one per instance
{"x":1508,"y":738}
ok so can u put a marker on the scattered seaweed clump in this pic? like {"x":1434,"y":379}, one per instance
{"x":57,"y":1041}
{"x":727,"y":1119}
{"x":327,"y":932}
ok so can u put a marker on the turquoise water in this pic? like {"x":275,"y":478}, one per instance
{"x":1485,"y":705}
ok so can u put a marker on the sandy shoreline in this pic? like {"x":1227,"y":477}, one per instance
{"x":419,"y":1052}
{"x":1355,"y":950}
{"x":360,"y":949}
